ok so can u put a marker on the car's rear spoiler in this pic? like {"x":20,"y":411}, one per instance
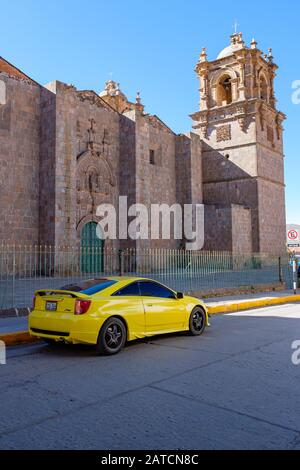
{"x":46,"y":292}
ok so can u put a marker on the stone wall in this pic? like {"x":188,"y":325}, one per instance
{"x":127,"y":168}
{"x":271,"y":188}
{"x":47,"y":170}
{"x":189,"y":188}
{"x":272,"y":218}
{"x":19,"y":160}
{"x":228,"y":228}
{"x":155,"y":183}
{"x":218,"y":228}
{"x":241,"y":229}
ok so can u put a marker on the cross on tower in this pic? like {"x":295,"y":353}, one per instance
{"x":235,"y":26}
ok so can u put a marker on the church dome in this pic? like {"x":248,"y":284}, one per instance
{"x":228,"y":51}
{"x":237,"y":44}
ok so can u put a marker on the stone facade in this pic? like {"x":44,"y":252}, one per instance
{"x":19,"y":156}
{"x":64,"y":151}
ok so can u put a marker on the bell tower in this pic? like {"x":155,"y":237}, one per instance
{"x":242,"y":135}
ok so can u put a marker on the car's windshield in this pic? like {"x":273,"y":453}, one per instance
{"x":89,"y":287}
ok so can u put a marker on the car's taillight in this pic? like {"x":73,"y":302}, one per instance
{"x":33,"y":302}
{"x":82,"y":306}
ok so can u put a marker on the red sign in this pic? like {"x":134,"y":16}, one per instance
{"x":293,"y":235}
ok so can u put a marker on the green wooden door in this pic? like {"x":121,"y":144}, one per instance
{"x":92,"y":260}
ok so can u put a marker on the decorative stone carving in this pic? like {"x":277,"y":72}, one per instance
{"x":241,"y":115}
{"x":95,"y":182}
{"x":224,"y":133}
{"x":94,"y":175}
{"x":105,"y":143}
{"x":91,"y":132}
{"x":204,"y":129}
{"x":203,"y":55}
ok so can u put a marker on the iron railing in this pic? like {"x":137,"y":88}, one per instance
{"x":23,"y":269}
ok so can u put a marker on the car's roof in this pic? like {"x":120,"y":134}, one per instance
{"x":122,"y":278}
{"x":117,"y":281}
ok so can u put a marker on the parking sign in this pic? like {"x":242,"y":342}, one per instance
{"x":293,"y":236}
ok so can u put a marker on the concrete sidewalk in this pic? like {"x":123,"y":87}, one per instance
{"x":14,"y":324}
{"x":257,"y":295}
{"x":14,"y":330}
{"x":242,"y":302}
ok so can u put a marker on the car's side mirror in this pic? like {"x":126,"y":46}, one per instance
{"x":179,"y":295}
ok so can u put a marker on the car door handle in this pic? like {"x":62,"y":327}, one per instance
{"x":149,"y":305}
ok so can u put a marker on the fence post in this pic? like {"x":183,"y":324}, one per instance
{"x":280,"y":269}
{"x":121,"y":270}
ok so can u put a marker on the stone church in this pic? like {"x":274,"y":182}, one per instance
{"x":64,"y":151}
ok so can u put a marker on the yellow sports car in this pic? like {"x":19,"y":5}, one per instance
{"x":108,"y":312}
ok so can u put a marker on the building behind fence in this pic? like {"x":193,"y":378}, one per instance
{"x":23,"y":269}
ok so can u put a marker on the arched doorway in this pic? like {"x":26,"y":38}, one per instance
{"x":92,"y":259}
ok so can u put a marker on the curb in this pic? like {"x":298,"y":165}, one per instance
{"x":20,"y":337}
{"x":251,"y":304}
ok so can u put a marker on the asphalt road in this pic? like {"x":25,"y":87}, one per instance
{"x":233,"y":388}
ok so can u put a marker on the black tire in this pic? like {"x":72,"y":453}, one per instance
{"x":112,"y":337}
{"x":197,"y":322}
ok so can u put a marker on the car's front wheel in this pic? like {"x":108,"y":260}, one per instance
{"x":112,"y":337}
{"x":197,"y":321}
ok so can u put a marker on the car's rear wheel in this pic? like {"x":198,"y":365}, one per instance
{"x":112,"y":337}
{"x":197,"y":321}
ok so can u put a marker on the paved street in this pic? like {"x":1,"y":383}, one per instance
{"x":233,"y":388}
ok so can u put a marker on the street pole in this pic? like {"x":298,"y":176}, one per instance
{"x":294,"y":275}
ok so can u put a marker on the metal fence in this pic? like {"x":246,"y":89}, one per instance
{"x":23,"y":269}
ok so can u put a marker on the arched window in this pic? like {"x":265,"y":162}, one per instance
{"x":224,"y":91}
{"x":263,"y":88}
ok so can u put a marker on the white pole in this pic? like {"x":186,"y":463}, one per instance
{"x":295,"y":276}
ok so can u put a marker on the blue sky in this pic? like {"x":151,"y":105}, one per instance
{"x":153,"y":46}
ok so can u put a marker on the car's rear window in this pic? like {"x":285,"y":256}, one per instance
{"x":89,"y":287}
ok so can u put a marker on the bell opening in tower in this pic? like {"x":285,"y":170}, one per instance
{"x":224,"y":91}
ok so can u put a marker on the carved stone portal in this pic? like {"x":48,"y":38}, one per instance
{"x":95,"y":183}
{"x":224,"y":133}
